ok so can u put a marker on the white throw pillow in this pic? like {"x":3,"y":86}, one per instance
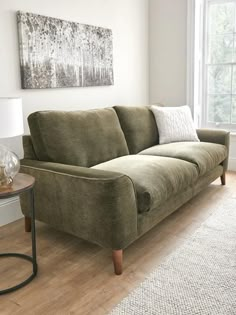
{"x":174,"y":124}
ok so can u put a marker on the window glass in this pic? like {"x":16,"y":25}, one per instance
{"x":220,"y":66}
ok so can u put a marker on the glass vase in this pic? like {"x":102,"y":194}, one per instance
{"x":9,"y":166}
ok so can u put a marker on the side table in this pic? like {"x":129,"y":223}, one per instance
{"x":22,"y":183}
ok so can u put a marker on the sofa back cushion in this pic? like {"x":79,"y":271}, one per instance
{"x":139,"y":126}
{"x":83,"y":138}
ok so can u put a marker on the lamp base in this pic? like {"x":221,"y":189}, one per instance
{"x":9,"y":167}
{"x":5,"y":181}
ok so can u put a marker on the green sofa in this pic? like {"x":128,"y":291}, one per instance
{"x":102,"y":176}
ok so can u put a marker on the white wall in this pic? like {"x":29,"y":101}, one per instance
{"x":128,"y":20}
{"x":167,"y":38}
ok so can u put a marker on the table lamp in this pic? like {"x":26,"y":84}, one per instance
{"x":11,"y":125}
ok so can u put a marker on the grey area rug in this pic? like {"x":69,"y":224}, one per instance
{"x":198,"y":278}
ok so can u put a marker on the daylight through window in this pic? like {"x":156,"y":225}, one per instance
{"x":220,"y":64}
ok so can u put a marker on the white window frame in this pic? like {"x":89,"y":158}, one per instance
{"x":194,"y":75}
{"x":196,"y":63}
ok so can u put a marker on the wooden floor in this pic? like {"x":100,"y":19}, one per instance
{"x":76,"y":277}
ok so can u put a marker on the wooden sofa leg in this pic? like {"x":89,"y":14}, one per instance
{"x":222,"y":177}
{"x":27,"y":224}
{"x":117,"y":257}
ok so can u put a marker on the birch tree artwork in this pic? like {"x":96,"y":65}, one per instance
{"x":56,"y":53}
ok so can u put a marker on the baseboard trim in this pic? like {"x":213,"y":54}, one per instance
{"x":232,"y":164}
{"x":10,"y":210}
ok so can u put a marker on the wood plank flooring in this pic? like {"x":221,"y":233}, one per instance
{"x":76,"y":277}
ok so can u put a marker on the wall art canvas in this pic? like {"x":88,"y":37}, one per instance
{"x":55,"y":53}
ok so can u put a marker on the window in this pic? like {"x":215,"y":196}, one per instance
{"x":220,"y":64}
{"x":214,"y":77}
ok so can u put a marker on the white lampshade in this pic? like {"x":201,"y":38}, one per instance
{"x":11,"y":117}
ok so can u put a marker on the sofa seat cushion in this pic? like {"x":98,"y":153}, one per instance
{"x":83,"y":138}
{"x":205,"y":155}
{"x":155,"y":178}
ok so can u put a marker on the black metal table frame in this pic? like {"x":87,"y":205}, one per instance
{"x":33,"y":258}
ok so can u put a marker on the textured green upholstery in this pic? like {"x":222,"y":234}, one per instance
{"x":83,"y":138}
{"x":205,"y":155}
{"x":155,"y":178}
{"x":98,"y":206}
{"x":139,"y":126}
{"x":216,"y":136}
{"x":29,"y":152}
{"x":90,"y":181}
{"x":149,"y":219}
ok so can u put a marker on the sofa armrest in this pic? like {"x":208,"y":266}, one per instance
{"x":95,"y":205}
{"x":216,"y":136}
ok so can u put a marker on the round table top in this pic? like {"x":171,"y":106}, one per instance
{"x":21,"y":183}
